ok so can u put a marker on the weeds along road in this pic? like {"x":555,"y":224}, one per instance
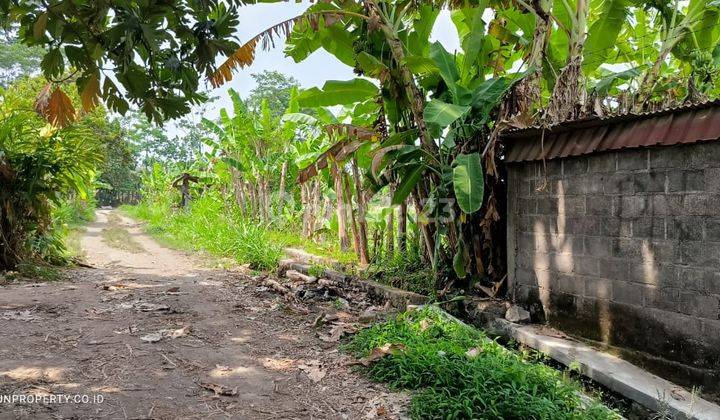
{"x":153,"y":333}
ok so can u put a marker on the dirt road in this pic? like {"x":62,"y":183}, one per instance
{"x":152,"y":334}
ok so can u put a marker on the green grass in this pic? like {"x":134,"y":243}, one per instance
{"x":497,"y":383}
{"x":209,"y":226}
{"x":118,"y":237}
{"x":405,"y":271}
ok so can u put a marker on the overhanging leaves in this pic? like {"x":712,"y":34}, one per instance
{"x":468,"y":182}
{"x":338,"y":92}
{"x":442,"y":113}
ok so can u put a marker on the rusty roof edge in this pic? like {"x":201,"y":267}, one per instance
{"x":596,"y":121}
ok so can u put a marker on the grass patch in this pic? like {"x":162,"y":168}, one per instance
{"x":38,"y":271}
{"x":120,"y":238}
{"x":405,"y":271}
{"x":450,"y":383}
{"x":73,"y":246}
{"x":210,"y":226}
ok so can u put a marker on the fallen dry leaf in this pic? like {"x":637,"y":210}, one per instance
{"x":180,"y":332}
{"x":219,"y":389}
{"x":677,"y":393}
{"x":473,"y":352}
{"x":116,"y":286}
{"x":337,"y":331}
{"x":152,"y":337}
{"x":379,"y":352}
{"x":159,"y":335}
{"x":25,"y":315}
{"x":424,"y":324}
{"x":313,"y":370}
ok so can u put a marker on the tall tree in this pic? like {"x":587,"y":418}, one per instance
{"x":273,"y":87}
{"x":151,"y":54}
{"x":17,"y":59}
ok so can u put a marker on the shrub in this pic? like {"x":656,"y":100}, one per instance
{"x":209,"y":224}
{"x":40,"y":168}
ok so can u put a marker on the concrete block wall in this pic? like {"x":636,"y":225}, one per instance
{"x":623,"y":247}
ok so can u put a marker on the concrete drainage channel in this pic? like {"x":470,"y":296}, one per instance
{"x":631,"y":382}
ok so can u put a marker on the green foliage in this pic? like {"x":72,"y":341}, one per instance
{"x":152,"y":144}
{"x":157,"y":51}
{"x":338,"y":92}
{"x":406,"y":271}
{"x":17,"y":60}
{"x":489,"y":382}
{"x":273,"y":87}
{"x":41,"y":168}
{"x":468,"y":182}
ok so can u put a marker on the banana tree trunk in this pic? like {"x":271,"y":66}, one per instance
{"x":417,"y":101}
{"x":527,"y":91}
{"x":362,"y":223}
{"x":315,"y":207}
{"x":253,"y":200}
{"x":341,"y":208}
{"x":266,"y":198}
{"x":402,"y":227}
{"x":306,"y":209}
{"x":239,"y":193}
{"x":353,"y":223}
{"x":390,"y":234}
{"x":281,"y":199}
{"x":569,"y":96}
{"x":417,"y":107}
{"x":427,"y":237}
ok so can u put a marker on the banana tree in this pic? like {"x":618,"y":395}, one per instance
{"x":252,"y":145}
{"x":337,"y":156}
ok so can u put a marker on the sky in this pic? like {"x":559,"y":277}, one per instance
{"x":313,"y":71}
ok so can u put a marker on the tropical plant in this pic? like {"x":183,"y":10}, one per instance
{"x":40,"y":166}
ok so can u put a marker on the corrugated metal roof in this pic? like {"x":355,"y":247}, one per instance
{"x":688,"y":124}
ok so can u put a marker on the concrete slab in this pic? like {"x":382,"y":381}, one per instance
{"x":398,"y":298}
{"x":623,"y":377}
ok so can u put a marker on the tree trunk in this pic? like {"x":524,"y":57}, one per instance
{"x":569,"y":96}
{"x":305,"y":209}
{"x":341,"y":209}
{"x":390,"y":234}
{"x":527,"y":91}
{"x":427,"y":237}
{"x":377,"y":244}
{"x":422,"y":242}
{"x":266,"y":199}
{"x":315,"y":206}
{"x":353,"y":223}
{"x":281,"y":199}
{"x":253,"y":199}
{"x":417,"y":101}
{"x":239,"y":193}
{"x":402,"y":227}
{"x":417,"y":107}
{"x":362,"y":223}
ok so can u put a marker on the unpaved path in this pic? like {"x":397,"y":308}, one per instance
{"x":83,"y":337}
